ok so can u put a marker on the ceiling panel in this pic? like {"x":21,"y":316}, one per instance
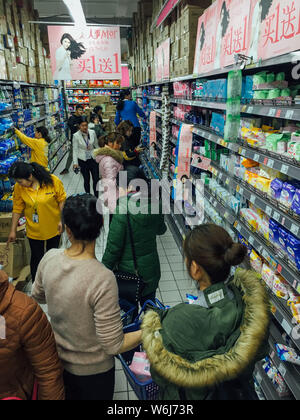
{"x":93,"y":8}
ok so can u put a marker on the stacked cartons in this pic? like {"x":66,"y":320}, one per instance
{"x":180,"y":27}
{"x":22,"y":50}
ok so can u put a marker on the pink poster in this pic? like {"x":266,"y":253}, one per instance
{"x":277,"y":28}
{"x":206,"y":40}
{"x":162,"y":61}
{"x":93,"y":53}
{"x":233,"y":31}
{"x":185,"y":152}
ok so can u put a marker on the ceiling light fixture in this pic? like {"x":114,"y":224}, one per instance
{"x":76,"y":11}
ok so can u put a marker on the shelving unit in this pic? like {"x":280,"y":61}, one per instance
{"x":271,"y":110}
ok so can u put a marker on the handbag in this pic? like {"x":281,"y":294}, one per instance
{"x":130,"y":285}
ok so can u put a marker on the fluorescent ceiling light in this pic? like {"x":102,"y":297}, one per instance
{"x":76,"y":11}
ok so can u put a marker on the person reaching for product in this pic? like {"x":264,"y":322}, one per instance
{"x":127,"y":110}
{"x":84,"y":307}
{"x":27,"y":348}
{"x":73,"y":124}
{"x":84,"y":143}
{"x":39,"y":145}
{"x":110,"y":160}
{"x":41,"y":197}
{"x":131,"y":155}
{"x":145,"y":229}
{"x":208,"y":350}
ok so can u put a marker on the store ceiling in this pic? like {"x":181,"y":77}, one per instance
{"x":96,"y":11}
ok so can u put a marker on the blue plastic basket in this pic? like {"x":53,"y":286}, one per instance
{"x":143,"y":390}
{"x":129,"y":309}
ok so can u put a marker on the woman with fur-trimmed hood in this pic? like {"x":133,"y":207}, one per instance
{"x":208,"y":351}
{"x":110,"y":160}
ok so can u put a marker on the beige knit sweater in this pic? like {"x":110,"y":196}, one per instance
{"x":82,"y":298}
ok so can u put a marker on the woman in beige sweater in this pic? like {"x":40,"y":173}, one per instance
{"x":82,"y":298}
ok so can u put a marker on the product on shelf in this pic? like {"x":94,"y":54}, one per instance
{"x":287,"y":354}
{"x":276,"y":378}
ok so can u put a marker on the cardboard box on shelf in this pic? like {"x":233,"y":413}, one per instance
{"x":3,"y":71}
{"x":3,"y":25}
{"x":32,"y":74}
{"x":189,"y":18}
{"x":5,"y":224}
{"x":14,"y":257}
{"x":188,"y":44}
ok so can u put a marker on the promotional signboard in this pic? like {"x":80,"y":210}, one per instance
{"x":168,"y":7}
{"x":206,"y":40}
{"x":183,"y":160}
{"x":93,"y":53}
{"x":233,"y":32}
{"x":256,"y":28}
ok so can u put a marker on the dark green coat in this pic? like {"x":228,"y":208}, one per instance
{"x":195,"y":348}
{"x":145,"y":227}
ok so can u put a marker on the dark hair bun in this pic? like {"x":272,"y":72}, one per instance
{"x":235,"y":255}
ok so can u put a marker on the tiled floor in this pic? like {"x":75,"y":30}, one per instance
{"x":174,"y":283}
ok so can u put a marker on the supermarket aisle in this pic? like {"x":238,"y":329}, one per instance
{"x":174,"y":284}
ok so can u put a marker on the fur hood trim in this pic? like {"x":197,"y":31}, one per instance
{"x":107,"y":151}
{"x":219,"y":368}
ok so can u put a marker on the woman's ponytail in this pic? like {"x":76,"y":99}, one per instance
{"x":45,"y":133}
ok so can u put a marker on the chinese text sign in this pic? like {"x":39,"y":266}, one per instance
{"x":87,"y":54}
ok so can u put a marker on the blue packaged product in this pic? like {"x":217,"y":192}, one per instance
{"x":276,"y":188}
{"x":283,"y":235}
{"x":287,"y":194}
{"x":274,"y":231}
{"x":244,"y":242}
{"x":296,"y":202}
{"x":293,"y":247}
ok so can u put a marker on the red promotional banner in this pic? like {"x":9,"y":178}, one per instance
{"x":168,"y":7}
{"x":85,"y":54}
{"x":278,"y":23}
{"x":185,"y":152}
{"x":162,"y":61}
{"x":256,"y":28}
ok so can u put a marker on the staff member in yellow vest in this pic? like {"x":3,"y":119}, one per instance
{"x":41,"y":197}
{"x":39,"y":145}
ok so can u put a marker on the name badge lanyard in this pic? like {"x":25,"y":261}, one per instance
{"x":35,"y":216}
{"x":87,"y":142}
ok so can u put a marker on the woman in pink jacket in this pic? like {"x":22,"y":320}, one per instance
{"x":110,"y":159}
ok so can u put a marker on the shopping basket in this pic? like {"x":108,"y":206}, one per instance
{"x":143,"y":390}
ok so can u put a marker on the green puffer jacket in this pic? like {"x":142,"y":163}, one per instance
{"x":194,"y":348}
{"x":145,"y":227}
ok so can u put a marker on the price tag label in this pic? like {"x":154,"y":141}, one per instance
{"x":289,"y":114}
{"x":279,"y":268}
{"x":238,"y":188}
{"x":227,"y":181}
{"x":265,"y":254}
{"x":278,"y":113}
{"x":284,"y":169}
{"x":256,"y":157}
{"x":276,"y":216}
{"x":298,"y":288}
{"x":282,"y":370}
{"x":259,"y":378}
{"x":286,"y":326}
{"x":271,"y":163}
{"x":226,"y":215}
{"x":272,"y":112}
{"x":243,"y":152}
{"x":295,"y":229}
{"x":240,"y":150}
{"x":250,"y":110}
{"x":272,"y":354}
{"x":266,"y":161}
{"x":269,"y":211}
{"x":244,"y":108}
{"x":252,"y":198}
{"x":241,"y":191}
{"x":260,"y":249}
